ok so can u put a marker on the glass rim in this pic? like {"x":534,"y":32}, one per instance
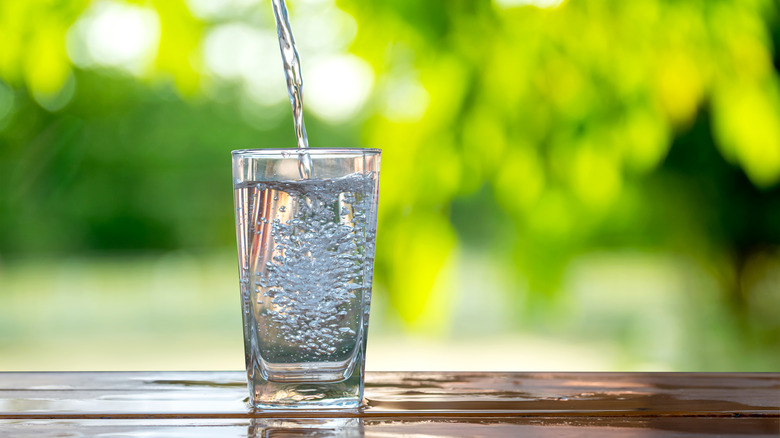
{"x":312,"y":151}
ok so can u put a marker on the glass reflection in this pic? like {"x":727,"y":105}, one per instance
{"x":307,"y":427}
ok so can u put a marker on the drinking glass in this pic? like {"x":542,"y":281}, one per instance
{"x":306,"y":263}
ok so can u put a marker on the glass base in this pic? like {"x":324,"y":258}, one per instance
{"x":344,"y":394}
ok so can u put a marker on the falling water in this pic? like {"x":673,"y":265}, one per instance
{"x":292,"y":72}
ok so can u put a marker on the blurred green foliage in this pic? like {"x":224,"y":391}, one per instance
{"x":533,"y":135}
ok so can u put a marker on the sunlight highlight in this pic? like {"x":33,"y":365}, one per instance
{"x":114,"y":34}
{"x":338,"y":86}
{"x":543,"y":4}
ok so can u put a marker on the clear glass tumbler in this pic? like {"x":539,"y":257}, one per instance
{"x":306,"y":263}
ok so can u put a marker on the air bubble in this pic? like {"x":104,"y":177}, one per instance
{"x":315,"y":265}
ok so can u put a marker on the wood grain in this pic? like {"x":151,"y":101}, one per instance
{"x":436,"y":404}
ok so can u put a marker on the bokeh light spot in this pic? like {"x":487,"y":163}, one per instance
{"x":543,"y":4}
{"x":115,"y":34}
{"x":405,"y":100}
{"x":338,"y":86}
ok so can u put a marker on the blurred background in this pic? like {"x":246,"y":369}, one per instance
{"x":566,"y":185}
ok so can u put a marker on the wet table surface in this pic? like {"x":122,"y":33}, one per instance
{"x":180,"y":404}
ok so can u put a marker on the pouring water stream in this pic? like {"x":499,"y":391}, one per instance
{"x":292,"y":72}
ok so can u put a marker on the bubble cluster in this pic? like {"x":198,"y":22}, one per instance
{"x":310,"y":276}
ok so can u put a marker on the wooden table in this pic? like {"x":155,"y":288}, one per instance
{"x":424,"y":404}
